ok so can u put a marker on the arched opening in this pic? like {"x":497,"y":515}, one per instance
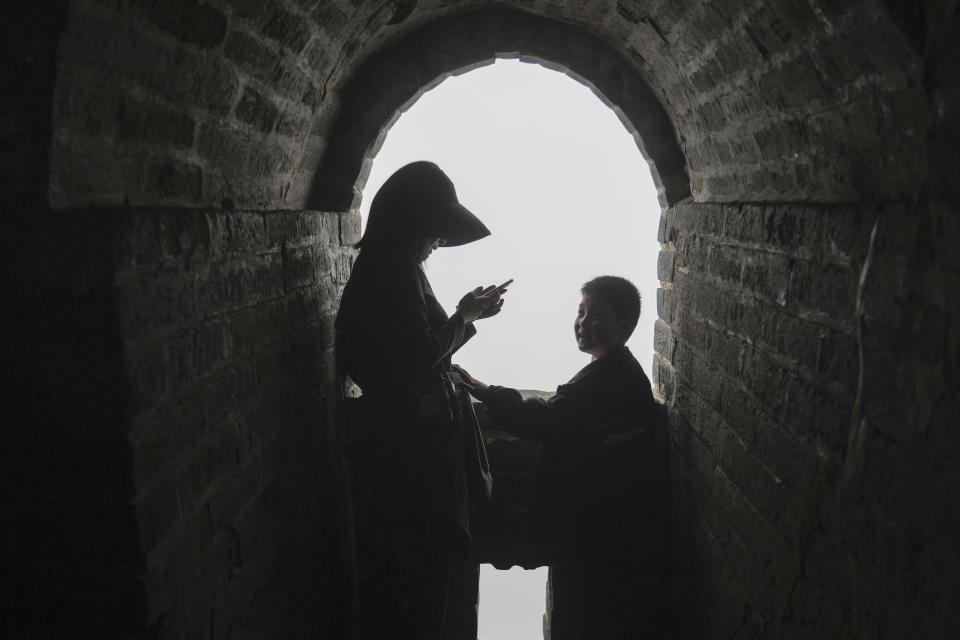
{"x":392,"y":79}
{"x":568,"y":195}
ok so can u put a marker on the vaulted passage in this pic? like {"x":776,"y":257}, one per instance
{"x":181,"y":179}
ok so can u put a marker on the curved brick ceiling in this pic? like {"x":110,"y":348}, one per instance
{"x":389,"y":81}
{"x":232,"y":102}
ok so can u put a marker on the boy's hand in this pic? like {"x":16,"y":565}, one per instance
{"x":469,"y":380}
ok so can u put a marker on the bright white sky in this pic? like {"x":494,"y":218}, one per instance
{"x":561,"y":184}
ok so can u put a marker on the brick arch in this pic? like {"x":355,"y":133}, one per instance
{"x":396,"y":76}
{"x":235,"y":103}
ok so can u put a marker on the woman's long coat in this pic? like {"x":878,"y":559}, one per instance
{"x":418,"y":442}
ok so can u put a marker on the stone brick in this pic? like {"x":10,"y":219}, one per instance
{"x":665,"y":230}
{"x":195,"y":352}
{"x":714,"y":20}
{"x":350,"y":228}
{"x":298,"y":228}
{"x":759,"y":485}
{"x":271,"y":159}
{"x":330,"y":17}
{"x":724,"y":263}
{"x":304,"y":306}
{"x":257,"y":110}
{"x":700,"y":466}
{"x":807,"y":411}
{"x":250,"y":54}
{"x":665,"y":264}
{"x":663,"y":341}
{"x":768,"y":275}
{"x":225,"y":142}
{"x":293,"y":124}
{"x":664,"y":380}
{"x":153,"y":124}
{"x":237,"y":232}
{"x":794,"y":229}
{"x":319,"y":56}
{"x":826,"y":289}
{"x":705,"y":78}
{"x":240,"y":282}
{"x":285,"y":27}
{"x":256,"y":327}
{"x":665,"y":299}
{"x":303,"y":266}
{"x":764,"y":378}
{"x":184,"y":237}
{"x":289,"y":81}
{"x":737,"y":511}
{"x":190,"y":22}
{"x":344,"y":265}
{"x":171,"y":181}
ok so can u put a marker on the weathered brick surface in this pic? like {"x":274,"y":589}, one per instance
{"x":185,"y":91}
{"x":181,"y":480}
{"x":228,"y":403}
{"x":796,"y":446}
{"x":171,"y":360}
{"x":784,"y":101}
{"x":394,"y":77}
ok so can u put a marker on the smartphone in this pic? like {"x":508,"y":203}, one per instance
{"x":503,"y":286}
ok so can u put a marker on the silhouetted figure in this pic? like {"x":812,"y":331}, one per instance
{"x":418,"y":456}
{"x":602,"y":482}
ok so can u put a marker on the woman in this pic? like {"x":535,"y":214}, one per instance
{"x":418,"y":452}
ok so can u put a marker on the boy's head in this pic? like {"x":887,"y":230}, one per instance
{"x":607,"y":316}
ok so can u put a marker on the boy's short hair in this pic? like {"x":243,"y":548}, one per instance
{"x":622,"y":295}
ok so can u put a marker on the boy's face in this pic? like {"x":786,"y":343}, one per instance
{"x":597,"y":328}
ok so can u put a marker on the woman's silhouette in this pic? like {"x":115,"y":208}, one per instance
{"x":418,"y":457}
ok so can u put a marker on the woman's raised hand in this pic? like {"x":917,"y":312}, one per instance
{"x":482,"y":302}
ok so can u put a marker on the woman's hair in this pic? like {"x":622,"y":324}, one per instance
{"x":622,"y":295}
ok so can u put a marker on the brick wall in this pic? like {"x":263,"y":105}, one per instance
{"x":758,"y":358}
{"x":188,"y":103}
{"x":807,"y":497}
{"x":182,"y":102}
{"x":794,"y":100}
{"x":396,"y":75}
{"x":169,"y":450}
{"x":168,"y":359}
{"x":227,"y":325}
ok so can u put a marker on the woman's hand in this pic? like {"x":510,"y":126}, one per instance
{"x":469,"y":380}
{"x":480,"y":303}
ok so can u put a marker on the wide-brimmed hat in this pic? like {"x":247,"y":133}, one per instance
{"x":420,"y":198}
